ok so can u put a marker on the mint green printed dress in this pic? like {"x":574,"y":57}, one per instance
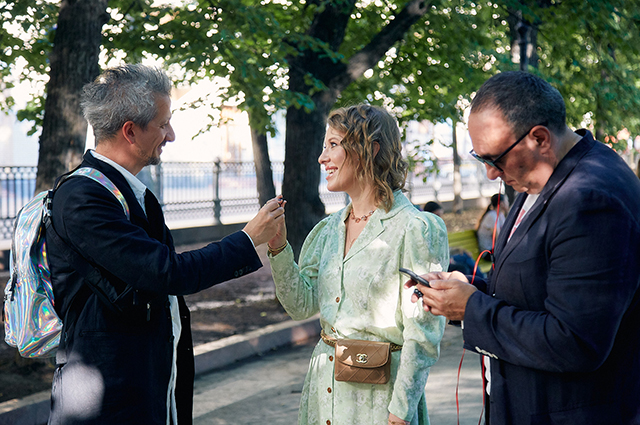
{"x":361,"y":296}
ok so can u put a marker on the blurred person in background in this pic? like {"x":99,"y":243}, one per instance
{"x":492,"y":218}
{"x":433,"y":207}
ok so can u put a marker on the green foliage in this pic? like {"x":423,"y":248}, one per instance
{"x":34,"y":111}
{"x":245,"y":41}
{"x":439,"y":64}
{"x":593,"y":59}
{"x":26,"y":37}
{"x":422,"y":162}
{"x":27,"y":33}
{"x":432,"y":73}
{"x":587,"y":49}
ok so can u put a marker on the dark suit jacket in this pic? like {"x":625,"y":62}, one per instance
{"x":560,"y":320}
{"x":114,"y":362}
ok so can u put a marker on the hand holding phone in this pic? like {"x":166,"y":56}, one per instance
{"x":415,"y":278}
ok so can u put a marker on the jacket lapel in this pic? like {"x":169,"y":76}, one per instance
{"x":155,"y":217}
{"x":137,"y":214}
{"x":560,"y":174}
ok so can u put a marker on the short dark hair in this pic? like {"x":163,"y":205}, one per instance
{"x":123,"y":93}
{"x":495,"y":198}
{"x":524,"y":100}
{"x":432,"y":206}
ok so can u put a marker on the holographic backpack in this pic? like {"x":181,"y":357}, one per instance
{"x":31,"y":323}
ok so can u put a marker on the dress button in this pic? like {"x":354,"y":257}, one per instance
{"x":333,"y":329}
{"x":330,"y":358}
{"x":337,"y":299}
{"x":328,"y":422}
{"x":329,"y":390}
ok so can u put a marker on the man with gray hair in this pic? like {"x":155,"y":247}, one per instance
{"x":558,"y":317}
{"x":126,"y":354}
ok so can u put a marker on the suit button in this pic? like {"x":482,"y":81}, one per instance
{"x":333,"y":330}
{"x":330,"y":358}
{"x":337,"y":299}
{"x":329,"y":390}
{"x":328,"y":422}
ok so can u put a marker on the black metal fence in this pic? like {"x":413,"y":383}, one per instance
{"x":17,"y":185}
{"x":199,"y":193}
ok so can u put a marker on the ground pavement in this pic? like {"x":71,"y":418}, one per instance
{"x":266,"y":389}
{"x":256,"y":379}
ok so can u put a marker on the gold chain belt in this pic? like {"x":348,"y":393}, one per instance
{"x":332,"y":341}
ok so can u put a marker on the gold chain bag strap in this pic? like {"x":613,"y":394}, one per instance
{"x":366,"y":362}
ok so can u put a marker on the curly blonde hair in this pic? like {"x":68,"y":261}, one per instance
{"x":363,"y":127}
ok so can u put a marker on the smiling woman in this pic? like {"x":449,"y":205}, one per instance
{"x":340,"y":171}
{"x":349,"y":272}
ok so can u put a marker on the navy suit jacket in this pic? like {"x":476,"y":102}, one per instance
{"x":561,"y":311}
{"x":115,"y":358}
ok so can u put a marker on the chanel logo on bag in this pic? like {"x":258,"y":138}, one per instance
{"x":366,"y":362}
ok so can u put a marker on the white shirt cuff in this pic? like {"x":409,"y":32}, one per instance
{"x":254,"y":245}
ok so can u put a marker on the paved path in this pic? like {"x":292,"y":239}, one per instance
{"x":266,"y":390}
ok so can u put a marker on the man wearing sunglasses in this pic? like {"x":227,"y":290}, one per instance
{"x":558,"y":316}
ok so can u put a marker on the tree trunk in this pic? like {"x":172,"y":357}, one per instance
{"x":524,"y":41}
{"x":74,"y":62}
{"x":264,"y":174}
{"x":306,"y":129}
{"x":303,"y":145}
{"x":457,"y":179}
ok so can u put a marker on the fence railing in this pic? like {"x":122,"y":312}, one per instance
{"x":201,"y":193}
{"x":17,"y":185}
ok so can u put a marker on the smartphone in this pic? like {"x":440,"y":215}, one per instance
{"x":415,"y":278}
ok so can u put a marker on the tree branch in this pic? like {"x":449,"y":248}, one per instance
{"x":370,"y":54}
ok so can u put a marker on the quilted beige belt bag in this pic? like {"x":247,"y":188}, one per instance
{"x":366,"y":362}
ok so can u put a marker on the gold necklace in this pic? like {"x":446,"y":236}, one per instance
{"x":358,"y":219}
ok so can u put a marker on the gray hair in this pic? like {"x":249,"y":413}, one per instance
{"x":524,"y":99}
{"x":121,"y":94}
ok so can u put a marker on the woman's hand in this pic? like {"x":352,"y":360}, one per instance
{"x":269,"y":221}
{"x":280,"y":238}
{"x":394,"y":420}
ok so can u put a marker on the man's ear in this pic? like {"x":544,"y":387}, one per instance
{"x":542,"y":136}
{"x":376,"y":148}
{"x":129,"y":132}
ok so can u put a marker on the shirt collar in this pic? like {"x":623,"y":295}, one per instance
{"x":137,"y":186}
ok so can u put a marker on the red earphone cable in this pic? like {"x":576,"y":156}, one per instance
{"x":473,"y":277}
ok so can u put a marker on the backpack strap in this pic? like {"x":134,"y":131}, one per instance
{"x":90,"y":273}
{"x":97,"y":176}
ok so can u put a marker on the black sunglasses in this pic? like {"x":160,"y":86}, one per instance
{"x":492,"y":162}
